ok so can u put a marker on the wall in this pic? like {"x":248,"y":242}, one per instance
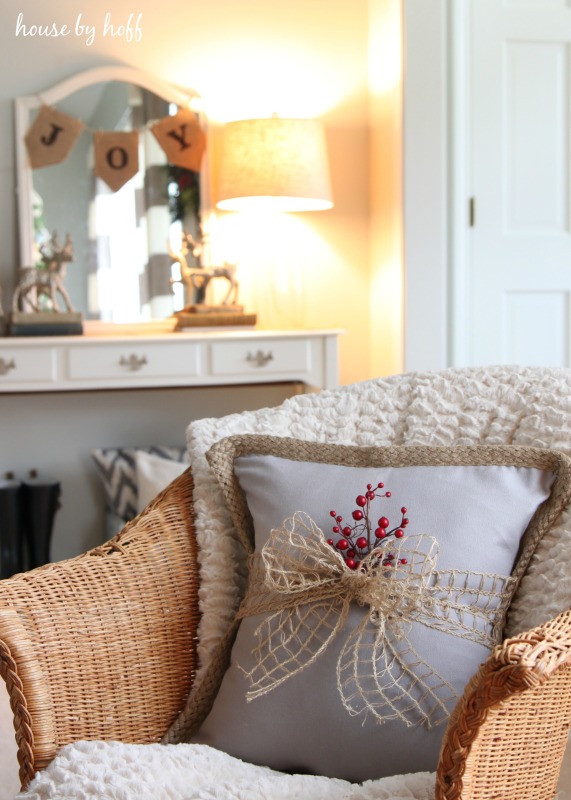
{"x":385,"y":187}
{"x":247,"y":58}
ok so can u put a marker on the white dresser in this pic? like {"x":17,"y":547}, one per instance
{"x":62,"y":397}
{"x":217,"y":358}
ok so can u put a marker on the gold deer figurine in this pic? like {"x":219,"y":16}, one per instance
{"x":39,"y":286}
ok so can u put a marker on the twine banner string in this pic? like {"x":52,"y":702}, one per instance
{"x":306,"y":591}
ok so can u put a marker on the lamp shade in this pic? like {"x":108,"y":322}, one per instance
{"x":274,"y":162}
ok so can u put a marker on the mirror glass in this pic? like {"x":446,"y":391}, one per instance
{"x":121,"y":270}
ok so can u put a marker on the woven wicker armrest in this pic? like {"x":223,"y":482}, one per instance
{"x":507,"y":737}
{"x":102,"y":646}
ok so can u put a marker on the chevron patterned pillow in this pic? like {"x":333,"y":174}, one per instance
{"x":117,"y":470}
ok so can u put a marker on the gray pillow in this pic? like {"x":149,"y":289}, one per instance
{"x":347,"y":710}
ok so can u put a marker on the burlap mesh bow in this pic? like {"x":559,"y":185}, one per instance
{"x":306,"y":590}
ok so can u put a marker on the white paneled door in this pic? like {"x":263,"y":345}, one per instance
{"x":518,"y":288}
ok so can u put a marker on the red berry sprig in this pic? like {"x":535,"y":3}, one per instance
{"x":362,"y":536}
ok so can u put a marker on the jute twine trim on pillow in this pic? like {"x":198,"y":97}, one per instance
{"x":221,"y":458}
{"x":306,"y":589}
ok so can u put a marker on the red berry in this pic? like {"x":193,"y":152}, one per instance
{"x":342,"y":544}
{"x":403,"y":561}
{"x":351,"y":563}
{"x":371,"y":495}
{"x":403,"y":510}
{"x":380,"y":533}
{"x":351,"y":553}
{"x":369,"y":486}
{"x":390,"y":556}
{"x":399,"y":533}
{"x":361,"y":500}
{"x":347,"y":530}
{"x":332,"y":513}
{"x":380,"y":485}
{"x":361,"y":542}
{"x":335,"y":529}
{"x":388,"y":494}
{"x":404,"y":522}
{"x":383,"y":522}
{"x":339,"y":519}
{"x":330,"y":541}
{"x":357,"y":514}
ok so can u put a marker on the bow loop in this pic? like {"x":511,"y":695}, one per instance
{"x":297,"y":558}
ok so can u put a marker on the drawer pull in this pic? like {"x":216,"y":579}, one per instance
{"x":133,"y":363}
{"x":260,"y":359}
{"x":6,"y":366}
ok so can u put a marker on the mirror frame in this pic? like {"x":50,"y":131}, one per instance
{"x":25,"y":105}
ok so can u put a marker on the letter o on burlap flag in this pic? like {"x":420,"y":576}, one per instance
{"x":51,"y":137}
{"x":116,"y":157}
{"x":182,"y":139}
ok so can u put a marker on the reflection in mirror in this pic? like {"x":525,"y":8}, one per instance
{"x":122,"y":271}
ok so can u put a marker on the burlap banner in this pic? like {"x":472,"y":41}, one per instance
{"x":182,"y":139}
{"x":51,"y":137}
{"x":116,"y":157}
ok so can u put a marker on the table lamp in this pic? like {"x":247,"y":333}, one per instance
{"x":275,"y":165}
{"x":274,"y":162}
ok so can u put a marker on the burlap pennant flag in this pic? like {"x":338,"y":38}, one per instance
{"x":182,"y":139}
{"x":116,"y":157}
{"x":51,"y":137}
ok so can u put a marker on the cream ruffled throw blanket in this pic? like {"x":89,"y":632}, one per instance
{"x":523,"y":406}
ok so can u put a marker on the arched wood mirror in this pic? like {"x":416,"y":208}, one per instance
{"x":121,"y":270}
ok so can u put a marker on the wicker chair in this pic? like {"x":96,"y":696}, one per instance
{"x":103,"y":646}
{"x":89,"y":642}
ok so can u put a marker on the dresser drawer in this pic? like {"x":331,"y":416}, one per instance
{"x":259,"y":356}
{"x":133,"y":360}
{"x":30,"y":364}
